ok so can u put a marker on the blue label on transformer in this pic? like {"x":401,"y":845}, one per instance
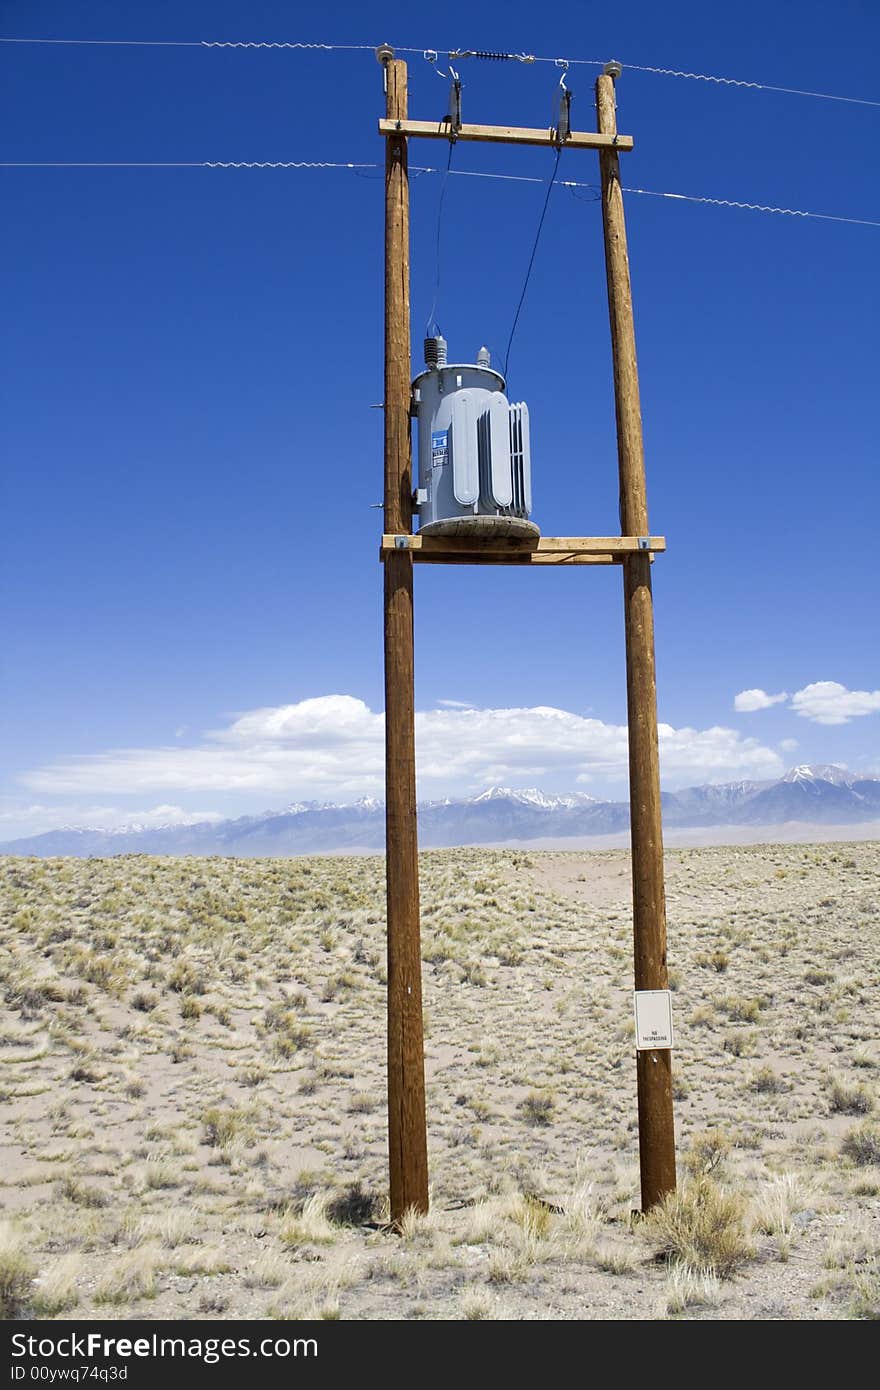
{"x":439,"y":447}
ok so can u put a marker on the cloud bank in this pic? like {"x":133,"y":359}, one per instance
{"x":332,"y":747}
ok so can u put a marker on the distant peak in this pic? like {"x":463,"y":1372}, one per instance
{"x":492,"y":794}
{"x":820,"y":772}
{"x":531,"y":796}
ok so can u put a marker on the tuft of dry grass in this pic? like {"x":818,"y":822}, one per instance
{"x":537,"y":1108}
{"x":268,"y":1271}
{"x":707,"y":1151}
{"x":81,"y":1193}
{"x":16,"y":1272}
{"x":221,"y":1127}
{"x":130,"y":1277}
{"x":689,"y":1287}
{"x":776,"y":1204}
{"x":309,"y":1225}
{"x":865,"y":1299}
{"x":55,"y":1289}
{"x":476,"y":1305}
{"x":701,"y":1225}
{"x":856,"y":1244}
{"x":862,"y":1144}
{"x":847,"y":1098}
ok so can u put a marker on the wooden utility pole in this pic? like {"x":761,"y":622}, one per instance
{"x":654,"y":1068}
{"x":407,"y":1135}
{"x":400,"y":549}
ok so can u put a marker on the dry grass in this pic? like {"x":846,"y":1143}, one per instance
{"x":701,"y":1226}
{"x":55,"y":1288}
{"x":687,"y":1287}
{"x":192,"y":1072}
{"x":16,"y":1272}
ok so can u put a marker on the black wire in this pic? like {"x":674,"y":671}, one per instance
{"x":432,"y":322}
{"x":532,"y":259}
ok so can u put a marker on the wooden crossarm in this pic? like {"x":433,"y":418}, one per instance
{"x":548,"y":550}
{"x":506,"y":135}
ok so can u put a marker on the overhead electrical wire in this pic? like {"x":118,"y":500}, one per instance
{"x":720,"y":81}
{"x":479,"y":54}
{"x":532,"y":259}
{"x":204,"y":43}
{"x":426,"y":169}
{"x":192,"y":164}
{"x":432,"y":327}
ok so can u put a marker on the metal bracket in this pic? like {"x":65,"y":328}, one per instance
{"x":454,"y":114}
{"x":402,"y":542}
{"x":563,"y":121}
{"x":644,"y":542}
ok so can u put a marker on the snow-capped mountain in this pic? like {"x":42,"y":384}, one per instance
{"x":530,"y":796}
{"x":817,"y":795}
{"x":821,"y":772}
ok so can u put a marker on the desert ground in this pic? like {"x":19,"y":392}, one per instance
{"x":193,"y":1089}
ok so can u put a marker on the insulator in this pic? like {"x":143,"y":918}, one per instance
{"x":435,"y":352}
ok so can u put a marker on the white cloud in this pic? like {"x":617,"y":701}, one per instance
{"x":333,"y":747}
{"x":747,"y":701}
{"x":825,"y":702}
{"x":829,"y":702}
{"x":456,"y":704}
{"x":788,"y":745}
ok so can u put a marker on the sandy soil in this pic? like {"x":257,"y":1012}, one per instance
{"x":192,"y":1077}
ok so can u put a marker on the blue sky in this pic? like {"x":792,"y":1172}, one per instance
{"x":192,"y":599}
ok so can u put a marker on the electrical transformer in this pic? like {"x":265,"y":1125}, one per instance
{"x":473,"y":449}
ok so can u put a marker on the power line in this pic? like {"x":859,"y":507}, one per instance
{"x":428,"y":169}
{"x":712,"y":78}
{"x":432,"y":323}
{"x":655,"y":193}
{"x":720,"y":81}
{"x":192,"y":164}
{"x":753,"y":207}
{"x":113,"y":43}
{"x":532,"y":258}
{"x":203,"y":43}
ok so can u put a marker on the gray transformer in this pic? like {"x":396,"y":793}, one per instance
{"x":473,"y":450}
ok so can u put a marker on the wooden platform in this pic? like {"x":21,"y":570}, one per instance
{"x":548,"y":550}
{"x":506,"y":135}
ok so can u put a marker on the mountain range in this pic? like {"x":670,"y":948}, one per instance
{"x":813,"y":796}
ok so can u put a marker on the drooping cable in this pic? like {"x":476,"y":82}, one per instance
{"x":532,"y":259}
{"x":432,"y":327}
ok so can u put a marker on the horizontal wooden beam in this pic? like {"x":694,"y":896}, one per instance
{"x":548,"y":550}
{"x":507,"y":135}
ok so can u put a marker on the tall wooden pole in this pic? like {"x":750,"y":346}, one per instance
{"x":654,"y":1069}
{"x":407,"y":1136}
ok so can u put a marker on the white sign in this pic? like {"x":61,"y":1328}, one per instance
{"x":653,"y":1019}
